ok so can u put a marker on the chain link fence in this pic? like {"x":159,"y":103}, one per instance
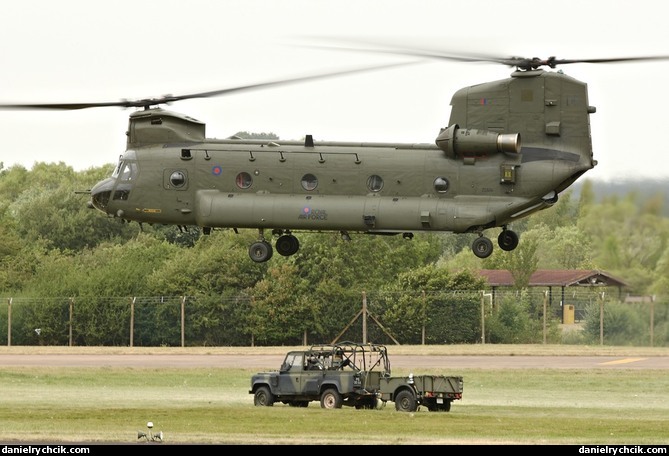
{"x":397,"y":318}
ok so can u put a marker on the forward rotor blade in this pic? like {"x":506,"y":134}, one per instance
{"x":147,"y":102}
{"x":61,"y":106}
{"x":262,"y":85}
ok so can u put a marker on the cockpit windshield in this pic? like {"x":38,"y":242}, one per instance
{"x":117,"y":170}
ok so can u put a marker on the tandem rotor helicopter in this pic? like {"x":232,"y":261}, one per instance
{"x":510,"y":148}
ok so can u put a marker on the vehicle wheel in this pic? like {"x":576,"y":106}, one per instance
{"x":405,"y":401}
{"x":507,"y":240}
{"x":261,"y":251}
{"x":446,"y":406}
{"x":331,"y":399}
{"x":287,"y":245}
{"x":263,"y":397}
{"x":482,"y":247}
{"x":432,"y":405}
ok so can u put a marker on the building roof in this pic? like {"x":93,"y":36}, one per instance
{"x":555,"y":278}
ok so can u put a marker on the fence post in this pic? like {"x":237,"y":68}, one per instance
{"x":253,"y":339}
{"x":422,"y":333}
{"x":183,"y":321}
{"x":364,"y":317}
{"x":652,"y":318}
{"x":601,"y":318}
{"x":71,"y":318}
{"x":483,"y":296}
{"x":9,"y":322}
{"x":132,"y":321}
{"x":482,"y":318}
{"x":545,"y":309}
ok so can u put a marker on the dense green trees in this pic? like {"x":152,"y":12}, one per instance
{"x":432,"y":298}
{"x":73,"y":271}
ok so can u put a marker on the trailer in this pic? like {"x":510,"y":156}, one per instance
{"x":436,"y":392}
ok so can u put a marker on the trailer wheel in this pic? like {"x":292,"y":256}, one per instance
{"x":405,"y":401}
{"x":263,"y":397}
{"x":431,"y":404}
{"x":331,"y":399}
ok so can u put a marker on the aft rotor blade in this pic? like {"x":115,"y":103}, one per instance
{"x":523,"y":63}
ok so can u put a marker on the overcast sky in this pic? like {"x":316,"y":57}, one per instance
{"x":88,"y":51}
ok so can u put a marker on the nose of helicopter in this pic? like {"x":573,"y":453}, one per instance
{"x":101,"y":194}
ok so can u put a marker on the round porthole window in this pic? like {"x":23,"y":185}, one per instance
{"x":178,"y":179}
{"x":309,"y":182}
{"x":375,"y":183}
{"x":441,"y":184}
{"x":244,"y":180}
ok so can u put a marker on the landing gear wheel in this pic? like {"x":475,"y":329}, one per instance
{"x":507,"y":240}
{"x":331,"y":399}
{"x":287,"y":245}
{"x":261,"y":251}
{"x":263,"y":397}
{"x":405,"y":401}
{"x":482,"y":247}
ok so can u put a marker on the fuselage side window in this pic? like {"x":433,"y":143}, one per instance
{"x":375,"y":183}
{"x":309,"y":182}
{"x":244,"y":180}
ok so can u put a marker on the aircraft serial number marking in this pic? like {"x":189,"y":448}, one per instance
{"x":149,"y":211}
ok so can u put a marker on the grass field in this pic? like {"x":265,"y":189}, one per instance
{"x":213,"y":406}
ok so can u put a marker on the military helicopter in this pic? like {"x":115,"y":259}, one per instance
{"x":510,"y":148}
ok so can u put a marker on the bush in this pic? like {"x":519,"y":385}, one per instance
{"x":622,"y":325}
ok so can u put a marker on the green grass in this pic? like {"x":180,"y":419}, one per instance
{"x":212,"y":406}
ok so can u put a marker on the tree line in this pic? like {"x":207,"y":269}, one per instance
{"x":53,"y":249}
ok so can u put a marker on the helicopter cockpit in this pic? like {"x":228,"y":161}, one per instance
{"x":118,"y":186}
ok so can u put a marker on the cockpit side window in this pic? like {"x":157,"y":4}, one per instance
{"x":128,"y":171}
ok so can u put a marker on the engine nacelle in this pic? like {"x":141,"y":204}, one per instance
{"x":457,"y":142}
